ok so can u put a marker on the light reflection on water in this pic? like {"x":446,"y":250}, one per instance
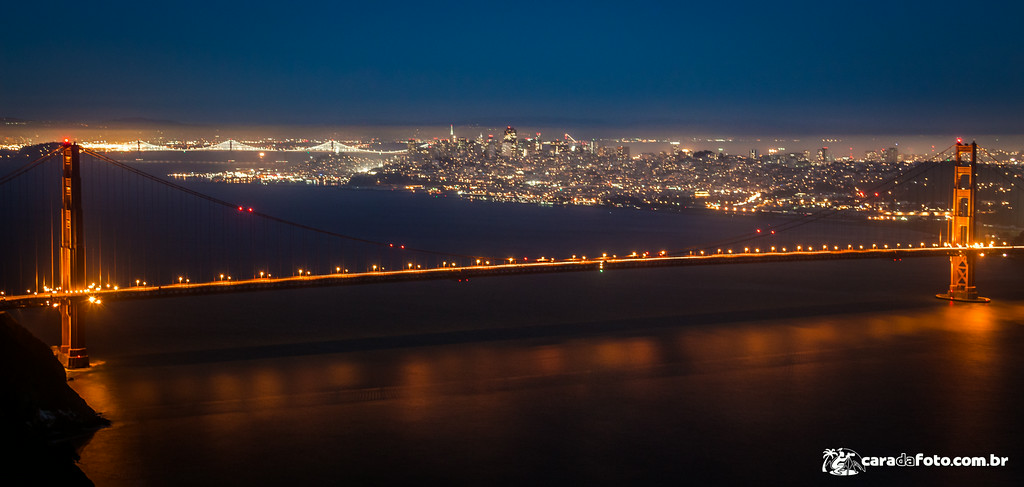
{"x":674,"y":401}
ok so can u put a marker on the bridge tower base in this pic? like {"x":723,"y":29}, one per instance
{"x":961,"y":285}
{"x":961,"y":228}
{"x":72,"y":351}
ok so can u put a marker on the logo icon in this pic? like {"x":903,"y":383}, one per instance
{"x":841,"y":462}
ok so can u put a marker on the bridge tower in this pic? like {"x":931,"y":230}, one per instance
{"x":961,"y":228}
{"x":72,"y":261}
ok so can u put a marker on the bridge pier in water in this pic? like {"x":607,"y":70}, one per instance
{"x":72,"y":352}
{"x":962,"y":227}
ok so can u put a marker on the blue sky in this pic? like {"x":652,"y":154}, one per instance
{"x":748,"y":66}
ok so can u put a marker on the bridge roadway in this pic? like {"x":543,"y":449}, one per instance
{"x":458,"y":273}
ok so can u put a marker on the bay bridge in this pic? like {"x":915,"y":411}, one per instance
{"x":235,"y":145}
{"x":146,"y":237}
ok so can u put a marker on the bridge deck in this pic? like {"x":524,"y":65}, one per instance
{"x":455,"y":273}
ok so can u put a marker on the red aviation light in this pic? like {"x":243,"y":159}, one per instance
{"x":250,"y":210}
{"x":241,"y":209}
{"x":959,"y":140}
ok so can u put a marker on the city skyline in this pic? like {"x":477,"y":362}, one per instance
{"x":754,"y":67}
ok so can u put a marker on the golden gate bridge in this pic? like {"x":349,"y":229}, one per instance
{"x":237,"y":248}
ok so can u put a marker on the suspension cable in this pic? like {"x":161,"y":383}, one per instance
{"x":28,"y":167}
{"x":266,"y":216}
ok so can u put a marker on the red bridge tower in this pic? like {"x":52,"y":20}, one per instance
{"x":72,"y":262}
{"x":961,"y":228}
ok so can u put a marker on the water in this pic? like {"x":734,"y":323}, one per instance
{"x":720,"y":374}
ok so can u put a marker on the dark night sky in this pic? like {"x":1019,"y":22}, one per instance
{"x":868,"y":66}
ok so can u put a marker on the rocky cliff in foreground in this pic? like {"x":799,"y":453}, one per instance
{"x":42,"y":420}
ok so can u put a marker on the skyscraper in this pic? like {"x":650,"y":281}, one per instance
{"x":825,"y":155}
{"x":891,"y":155}
{"x":489,"y":150}
{"x":510,"y":142}
{"x":510,"y":135}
